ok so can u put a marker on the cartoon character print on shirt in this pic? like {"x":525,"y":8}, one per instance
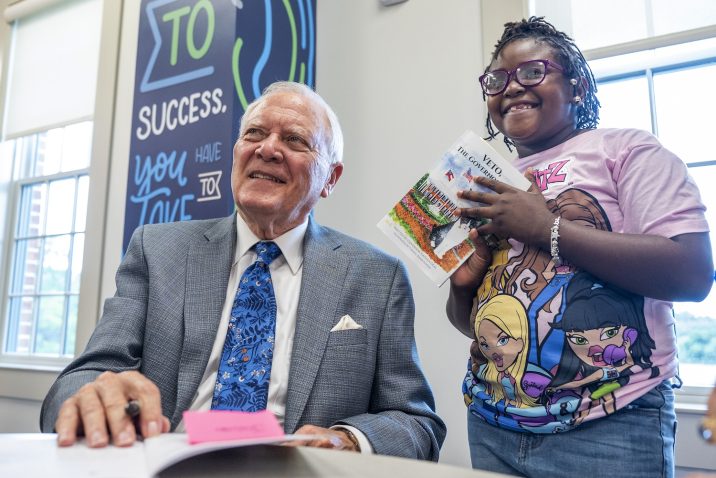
{"x":505,"y":387}
{"x":531,"y":277}
{"x":605,"y":341}
{"x":501,"y":353}
{"x":554,"y":173}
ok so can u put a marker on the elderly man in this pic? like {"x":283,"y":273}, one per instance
{"x":262,"y":309}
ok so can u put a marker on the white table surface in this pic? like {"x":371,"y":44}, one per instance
{"x":30,"y":455}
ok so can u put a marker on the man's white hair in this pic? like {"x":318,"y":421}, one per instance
{"x":333,"y":140}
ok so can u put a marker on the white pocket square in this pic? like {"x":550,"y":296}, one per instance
{"x":346,"y":323}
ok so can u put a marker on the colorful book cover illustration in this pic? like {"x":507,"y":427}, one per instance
{"x":424,"y":223}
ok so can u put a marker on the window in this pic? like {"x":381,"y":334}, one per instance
{"x":648,"y":69}
{"x":52,"y":182}
{"x":47,"y":132}
{"x":58,"y":78}
{"x":653,"y":99}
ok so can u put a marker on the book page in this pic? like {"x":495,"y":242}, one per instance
{"x":424,"y":223}
{"x":29,"y":455}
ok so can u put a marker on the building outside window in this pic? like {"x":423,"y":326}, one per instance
{"x":50,"y":196}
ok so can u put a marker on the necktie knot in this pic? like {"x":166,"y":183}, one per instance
{"x":266,"y":251}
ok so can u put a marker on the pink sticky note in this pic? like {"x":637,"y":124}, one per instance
{"x":222,"y":425}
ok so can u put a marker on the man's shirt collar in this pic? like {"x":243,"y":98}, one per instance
{"x":290,"y":242}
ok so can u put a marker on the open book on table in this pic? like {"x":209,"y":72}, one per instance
{"x":209,"y":431}
{"x":30,"y":455}
{"x":168,"y":449}
{"x":424,"y":224}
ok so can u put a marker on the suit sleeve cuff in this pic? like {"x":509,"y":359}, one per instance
{"x":365,"y":446}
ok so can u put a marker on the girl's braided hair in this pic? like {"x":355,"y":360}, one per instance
{"x":568,"y":56}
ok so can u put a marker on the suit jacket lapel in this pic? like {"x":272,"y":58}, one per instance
{"x":324,"y":272}
{"x":207,"y":276}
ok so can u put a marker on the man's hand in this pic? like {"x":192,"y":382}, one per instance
{"x":325,"y":438}
{"x":97,"y":411}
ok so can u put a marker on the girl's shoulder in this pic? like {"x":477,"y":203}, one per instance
{"x":622,"y":136}
{"x":614,"y":143}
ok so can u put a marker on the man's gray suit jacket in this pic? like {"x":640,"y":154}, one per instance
{"x":163,"y":320}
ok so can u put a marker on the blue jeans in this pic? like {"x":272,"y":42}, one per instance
{"x":637,"y":441}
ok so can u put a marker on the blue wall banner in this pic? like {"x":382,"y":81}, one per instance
{"x":199,"y":64}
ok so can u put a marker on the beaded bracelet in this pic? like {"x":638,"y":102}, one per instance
{"x":554,"y":242}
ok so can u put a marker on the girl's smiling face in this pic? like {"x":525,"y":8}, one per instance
{"x":539,"y":117}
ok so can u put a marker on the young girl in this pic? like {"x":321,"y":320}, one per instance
{"x":653,"y":243}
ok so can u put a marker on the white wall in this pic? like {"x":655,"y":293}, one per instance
{"x":19,"y":416}
{"x":403,"y":81}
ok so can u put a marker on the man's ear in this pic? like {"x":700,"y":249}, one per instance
{"x":333,"y":177}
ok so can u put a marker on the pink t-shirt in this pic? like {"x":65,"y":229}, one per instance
{"x":577,"y":348}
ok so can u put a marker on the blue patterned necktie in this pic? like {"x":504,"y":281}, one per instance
{"x":245,"y":367}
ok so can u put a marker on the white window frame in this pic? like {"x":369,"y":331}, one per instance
{"x":26,"y":379}
{"x":10,"y":253}
{"x":689,"y":398}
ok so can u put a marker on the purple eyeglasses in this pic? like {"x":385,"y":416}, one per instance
{"x":528,"y":73}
